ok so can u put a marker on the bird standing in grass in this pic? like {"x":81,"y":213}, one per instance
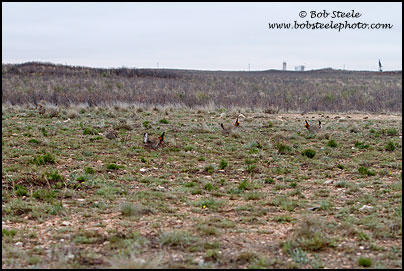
{"x":313,"y":129}
{"x":153,"y":143}
{"x":226,"y":131}
{"x":111,"y":134}
{"x":41,"y":109}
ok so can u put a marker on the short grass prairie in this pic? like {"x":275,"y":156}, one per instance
{"x":256,"y":198}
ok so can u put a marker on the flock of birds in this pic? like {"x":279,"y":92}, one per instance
{"x":154,"y":143}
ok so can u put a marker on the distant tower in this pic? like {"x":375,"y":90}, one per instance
{"x":284,"y":66}
{"x":380,"y":66}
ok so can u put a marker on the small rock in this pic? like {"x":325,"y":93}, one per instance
{"x":199,"y":261}
{"x":328,"y":181}
{"x":18,"y":244}
{"x":143,"y":169}
{"x":365,"y":207}
{"x":66,"y":223}
{"x":81,"y":200}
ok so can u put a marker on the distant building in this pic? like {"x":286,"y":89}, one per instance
{"x":299,"y":68}
{"x":284,"y":66}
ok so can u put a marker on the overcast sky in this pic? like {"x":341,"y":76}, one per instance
{"x":203,"y":36}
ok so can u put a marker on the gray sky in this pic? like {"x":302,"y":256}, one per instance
{"x":203,"y":36}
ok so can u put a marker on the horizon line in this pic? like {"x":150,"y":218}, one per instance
{"x":187,"y":69}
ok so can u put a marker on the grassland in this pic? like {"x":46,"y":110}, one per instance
{"x":72,"y":198}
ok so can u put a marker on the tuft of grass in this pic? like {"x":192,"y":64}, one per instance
{"x":365,"y":262}
{"x":361,"y":145}
{"x":176,"y":238}
{"x":309,"y":153}
{"x":299,"y":256}
{"x":223,"y":164}
{"x":391,"y":132}
{"x":54,"y":176}
{"x":34,"y":141}
{"x":283,"y":218}
{"x":134,"y":261}
{"x":208,"y":230}
{"x":146,"y":124}
{"x":20,"y":190}
{"x":332,"y":143}
{"x":209,"y":168}
{"x":390,"y":146}
{"x":269,"y":180}
{"x":43,"y":159}
{"x":8,"y":233}
{"x":365,"y":171}
{"x":44,"y":194}
{"x":164,"y":121}
{"x":89,"y":170}
{"x":283,"y":148}
{"x":130,"y":209}
{"x":89,"y":131}
{"x":340,"y":166}
{"x":114,"y":166}
{"x":243,"y":185}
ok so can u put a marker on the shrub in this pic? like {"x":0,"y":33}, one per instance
{"x":309,"y":153}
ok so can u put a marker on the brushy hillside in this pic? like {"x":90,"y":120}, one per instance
{"x":287,"y":91}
